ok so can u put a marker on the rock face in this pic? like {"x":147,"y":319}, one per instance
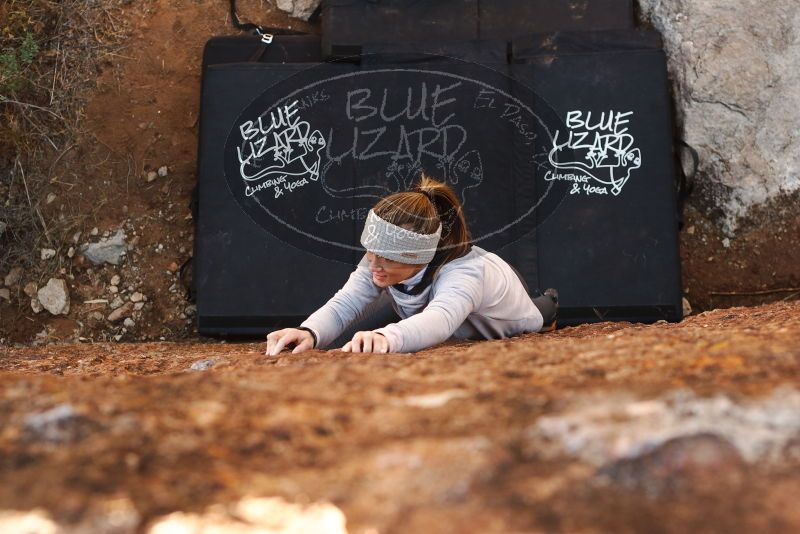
{"x":54,"y":296}
{"x":736,"y":71}
{"x":110,"y":250}
{"x":301,"y":9}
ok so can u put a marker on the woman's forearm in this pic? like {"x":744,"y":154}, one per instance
{"x":343,"y":308}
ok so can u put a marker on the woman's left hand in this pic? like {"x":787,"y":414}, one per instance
{"x":367,"y":342}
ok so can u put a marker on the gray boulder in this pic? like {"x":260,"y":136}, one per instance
{"x":736,"y":71}
{"x":300,"y":9}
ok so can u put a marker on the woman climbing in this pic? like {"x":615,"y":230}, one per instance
{"x":421,"y":262}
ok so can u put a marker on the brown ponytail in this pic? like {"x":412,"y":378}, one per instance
{"x":422,"y":209}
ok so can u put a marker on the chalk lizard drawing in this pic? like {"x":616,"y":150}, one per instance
{"x":294,"y":151}
{"x":610,"y":158}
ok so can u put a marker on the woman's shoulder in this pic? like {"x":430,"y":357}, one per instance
{"x":474,"y":260}
{"x":477,"y":260}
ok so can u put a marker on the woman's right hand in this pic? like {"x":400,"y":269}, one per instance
{"x":277,"y":340}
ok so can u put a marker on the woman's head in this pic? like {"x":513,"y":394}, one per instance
{"x":414,"y":228}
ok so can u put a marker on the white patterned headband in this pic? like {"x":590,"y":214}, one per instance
{"x":397,"y":243}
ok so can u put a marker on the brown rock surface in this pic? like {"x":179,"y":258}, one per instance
{"x":435,"y":441}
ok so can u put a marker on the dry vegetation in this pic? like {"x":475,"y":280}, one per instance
{"x":49,"y":52}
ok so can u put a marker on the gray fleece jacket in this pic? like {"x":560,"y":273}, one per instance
{"x":477,"y":296}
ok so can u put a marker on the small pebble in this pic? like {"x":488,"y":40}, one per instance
{"x":120,"y":313}
{"x":30,"y":289}
{"x":13,"y":277}
{"x":202,"y":365}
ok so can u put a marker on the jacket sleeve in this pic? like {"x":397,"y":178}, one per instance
{"x":344,"y":307}
{"x":456,"y":294}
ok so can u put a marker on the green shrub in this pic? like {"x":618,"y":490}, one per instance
{"x":14,"y":60}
